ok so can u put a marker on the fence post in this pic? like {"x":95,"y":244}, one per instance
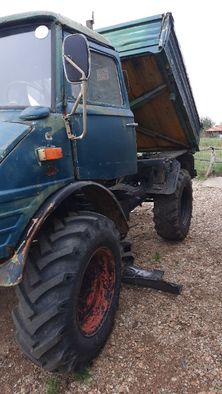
{"x":212,"y":161}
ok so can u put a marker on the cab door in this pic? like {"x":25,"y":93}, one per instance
{"x":109,"y":149}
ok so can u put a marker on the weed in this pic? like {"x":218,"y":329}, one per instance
{"x":156,"y":257}
{"x":52,"y":385}
{"x":82,"y":376}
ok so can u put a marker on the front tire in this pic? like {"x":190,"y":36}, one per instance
{"x":172,"y":213}
{"x":70,"y":292}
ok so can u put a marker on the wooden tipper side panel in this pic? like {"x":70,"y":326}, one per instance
{"x":159,"y":89}
{"x":153,"y":106}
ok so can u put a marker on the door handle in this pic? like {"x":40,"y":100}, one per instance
{"x":131,"y":124}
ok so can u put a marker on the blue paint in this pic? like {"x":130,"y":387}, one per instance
{"x":10,"y":135}
{"x":24,"y":181}
{"x":109,"y":149}
{"x":107,"y":152}
{"x":37,"y":112}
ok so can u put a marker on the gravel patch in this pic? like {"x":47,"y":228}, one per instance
{"x":213,"y":182}
{"x":161,"y":343}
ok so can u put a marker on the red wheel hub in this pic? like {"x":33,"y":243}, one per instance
{"x":97,"y":291}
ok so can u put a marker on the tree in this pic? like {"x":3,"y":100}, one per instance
{"x":206,"y":123}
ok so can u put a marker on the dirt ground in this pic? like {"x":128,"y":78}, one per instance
{"x":161,"y":343}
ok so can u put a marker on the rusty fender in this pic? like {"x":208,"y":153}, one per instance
{"x":104,"y":202}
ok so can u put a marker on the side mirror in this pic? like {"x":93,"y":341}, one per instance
{"x":76,"y":57}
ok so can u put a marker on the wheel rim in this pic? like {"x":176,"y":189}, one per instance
{"x":96,"y":291}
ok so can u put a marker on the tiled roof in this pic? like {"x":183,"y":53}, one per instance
{"x":217,"y":129}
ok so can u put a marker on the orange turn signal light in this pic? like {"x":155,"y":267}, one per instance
{"x":49,"y":153}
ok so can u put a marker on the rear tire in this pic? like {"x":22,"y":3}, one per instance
{"x":172,"y":213}
{"x":70,"y":292}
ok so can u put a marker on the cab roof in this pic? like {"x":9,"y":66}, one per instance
{"x":57,"y":18}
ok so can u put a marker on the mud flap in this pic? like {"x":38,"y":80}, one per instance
{"x":137,"y":276}
{"x":149,"y":278}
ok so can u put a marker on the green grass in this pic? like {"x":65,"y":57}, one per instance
{"x":52,"y":385}
{"x":213,"y":141}
{"x":201,"y":165}
{"x":83,"y":376}
{"x":156,"y":257}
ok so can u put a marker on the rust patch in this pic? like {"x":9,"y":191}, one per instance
{"x":51,"y":170}
{"x":11,"y":271}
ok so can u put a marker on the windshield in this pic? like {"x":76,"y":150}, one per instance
{"x":25,"y":68}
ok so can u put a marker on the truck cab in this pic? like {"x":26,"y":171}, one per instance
{"x":35,"y":96}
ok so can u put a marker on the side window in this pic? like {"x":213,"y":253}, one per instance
{"x":103,"y":84}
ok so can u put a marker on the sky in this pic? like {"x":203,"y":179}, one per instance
{"x":198,"y":26}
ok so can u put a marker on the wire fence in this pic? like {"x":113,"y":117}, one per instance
{"x":208,"y":161}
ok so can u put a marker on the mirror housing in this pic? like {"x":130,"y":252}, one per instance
{"x":35,"y":112}
{"x":76,"y":58}
{"x":76,"y":63}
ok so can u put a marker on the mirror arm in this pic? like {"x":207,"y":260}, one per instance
{"x":84,"y":118}
{"x":70,"y":61}
{"x":76,"y":103}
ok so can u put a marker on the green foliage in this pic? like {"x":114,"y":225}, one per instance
{"x":200,"y":177}
{"x":156,"y":257}
{"x":82,"y":376}
{"x":206,"y":122}
{"x":52,"y":385}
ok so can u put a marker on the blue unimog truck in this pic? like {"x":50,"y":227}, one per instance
{"x":87,"y":133}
